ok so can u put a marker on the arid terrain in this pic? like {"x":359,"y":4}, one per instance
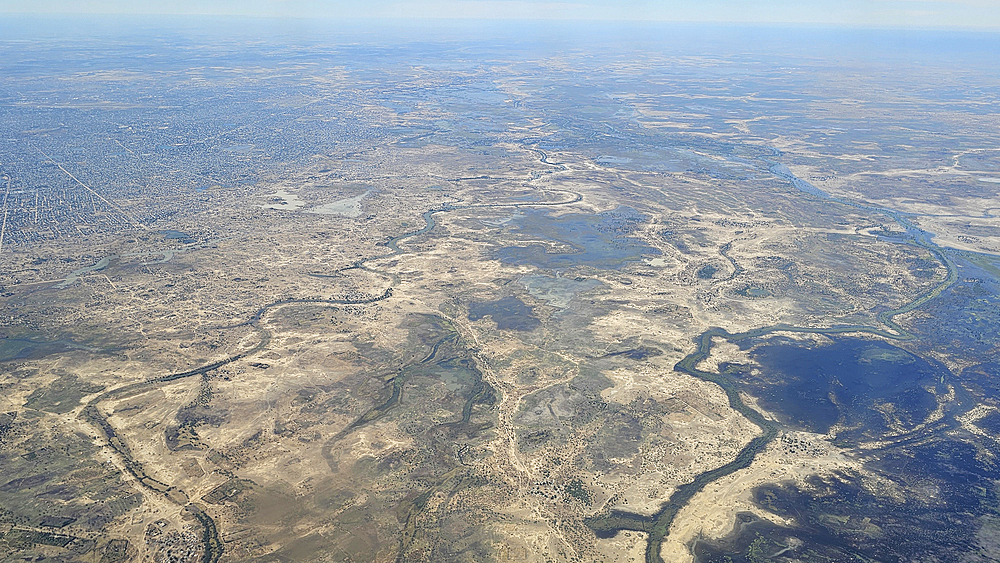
{"x":460,"y":302}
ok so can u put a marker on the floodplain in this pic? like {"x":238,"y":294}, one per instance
{"x":463,"y":298}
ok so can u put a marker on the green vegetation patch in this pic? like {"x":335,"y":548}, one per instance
{"x":576,"y":490}
{"x":707,"y":271}
{"x":62,"y":395}
{"x":17,"y":538}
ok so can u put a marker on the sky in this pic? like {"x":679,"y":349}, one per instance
{"x":981,"y":14}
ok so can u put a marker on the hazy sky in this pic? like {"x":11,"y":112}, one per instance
{"x":892,"y":13}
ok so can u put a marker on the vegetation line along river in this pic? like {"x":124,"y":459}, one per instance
{"x":213,"y":546}
{"x":657,"y":526}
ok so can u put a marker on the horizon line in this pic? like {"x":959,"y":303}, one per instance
{"x":331,"y":19}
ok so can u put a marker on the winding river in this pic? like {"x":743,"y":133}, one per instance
{"x":92,"y":414}
{"x":657,"y":526}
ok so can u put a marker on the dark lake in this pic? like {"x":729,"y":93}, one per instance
{"x":865,"y":385}
{"x":600,"y":240}
{"x":509,"y":313}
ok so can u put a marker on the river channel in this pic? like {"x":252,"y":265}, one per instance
{"x":657,"y":526}
{"x":95,"y":417}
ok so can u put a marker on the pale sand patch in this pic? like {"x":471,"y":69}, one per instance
{"x":712,"y":512}
{"x":288,"y":201}
{"x":350,"y":207}
{"x":625,"y":547}
{"x":969,"y":419}
{"x":975,"y":234}
{"x":712,"y":434}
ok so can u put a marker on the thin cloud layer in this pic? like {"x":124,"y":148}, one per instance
{"x":983,"y":14}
